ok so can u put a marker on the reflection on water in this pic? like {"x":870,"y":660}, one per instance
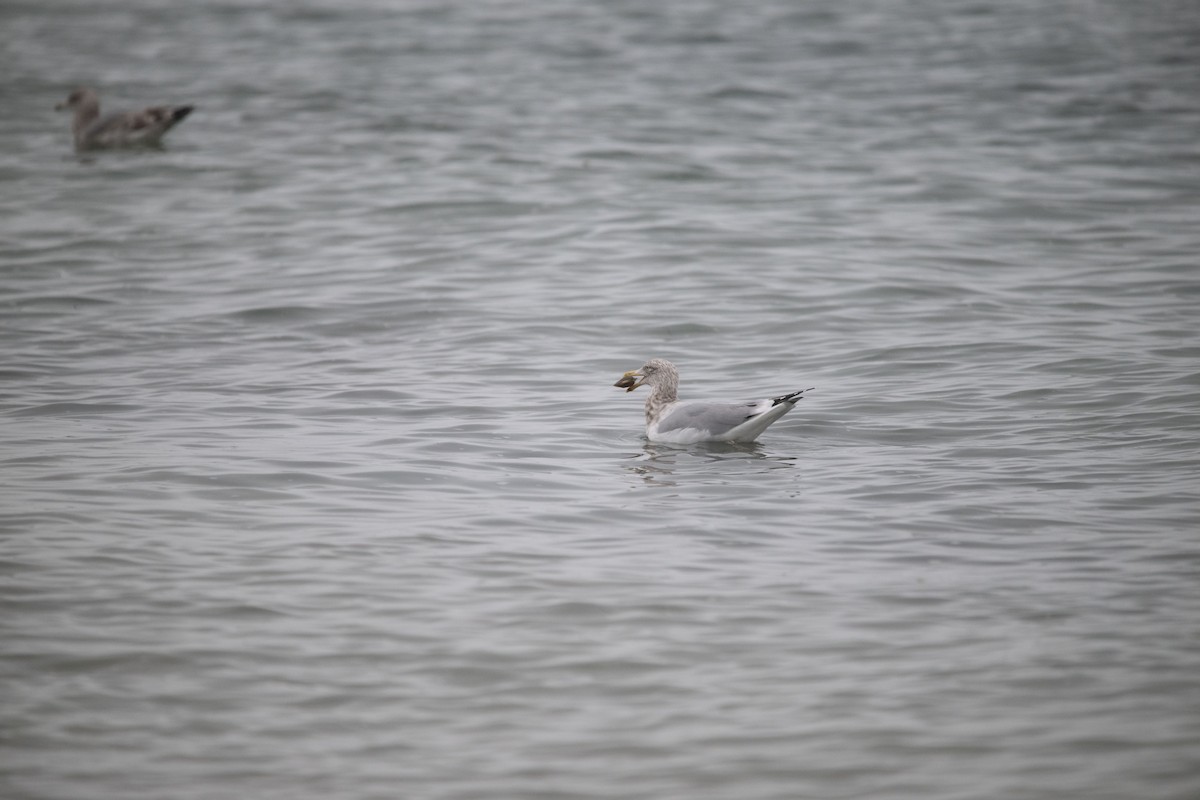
{"x":663,"y":464}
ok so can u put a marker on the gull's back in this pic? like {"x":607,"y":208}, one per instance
{"x":132,"y":128}
{"x":715,"y":417}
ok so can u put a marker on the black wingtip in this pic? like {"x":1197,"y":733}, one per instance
{"x":794,"y":397}
{"x":182,"y":111}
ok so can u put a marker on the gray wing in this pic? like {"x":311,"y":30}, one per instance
{"x":713,"y":417}
{"x":117,"y":123}
{"x":149,"y":123}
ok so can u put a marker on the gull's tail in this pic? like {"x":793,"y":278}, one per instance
{"x":792,"y":398}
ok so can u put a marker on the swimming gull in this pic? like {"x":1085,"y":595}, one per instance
{"x":668,"y":420}
{"x":119,"y":129}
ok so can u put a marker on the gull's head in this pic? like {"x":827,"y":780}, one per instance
{"x":78,"y":99}
{"x":655,"y":372}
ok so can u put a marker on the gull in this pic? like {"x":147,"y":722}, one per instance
{"x":669,"y":420}
{"x":119,"y":129}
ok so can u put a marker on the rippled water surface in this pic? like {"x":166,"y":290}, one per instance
{"x":313,"y":482}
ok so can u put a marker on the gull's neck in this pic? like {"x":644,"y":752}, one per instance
{"x":85,"y":114}
{"x":661,"y":395}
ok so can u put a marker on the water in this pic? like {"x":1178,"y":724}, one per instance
{"x":314,"y":483}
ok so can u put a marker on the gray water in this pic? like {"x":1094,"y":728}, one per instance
{"x":313,"y":482}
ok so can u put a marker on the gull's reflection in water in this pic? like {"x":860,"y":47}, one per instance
{"x":665,"y":465}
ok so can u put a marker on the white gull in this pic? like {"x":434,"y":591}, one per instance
{"x":669,"y":420}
